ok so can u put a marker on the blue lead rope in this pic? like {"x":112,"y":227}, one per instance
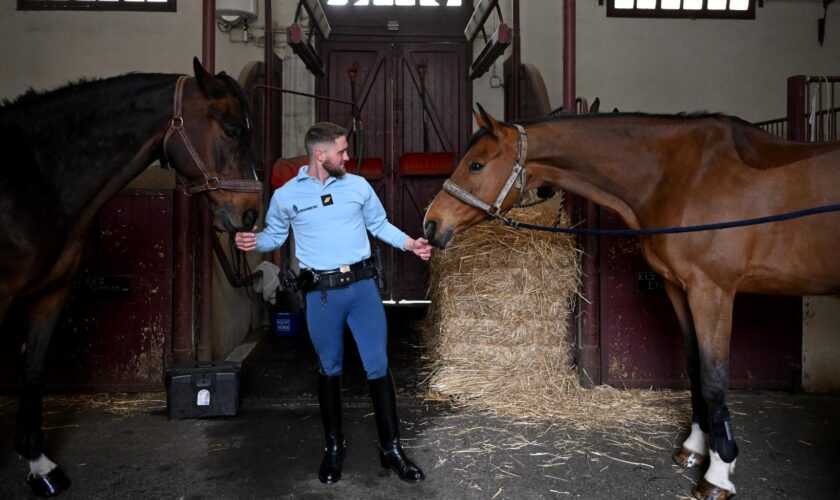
{"x":672,"y":230}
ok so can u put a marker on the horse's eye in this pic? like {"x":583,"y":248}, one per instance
{"x":475,"y":166}
{"x":233,"y":133}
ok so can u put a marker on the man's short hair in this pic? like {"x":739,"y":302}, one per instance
{"x":320,"y":133}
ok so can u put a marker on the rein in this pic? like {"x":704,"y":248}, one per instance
{"x":517,"y":178}
{"x":211,"y":182}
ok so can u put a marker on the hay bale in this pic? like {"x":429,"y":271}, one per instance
{"x":497,"y":335}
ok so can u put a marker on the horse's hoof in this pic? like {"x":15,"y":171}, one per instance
{"x":50,"y":484}
{"x":688,"y":459}
{"x":707,"y":491}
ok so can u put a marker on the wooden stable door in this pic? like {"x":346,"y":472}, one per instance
{"x":417,"y":149}
{"x":641,"y":343}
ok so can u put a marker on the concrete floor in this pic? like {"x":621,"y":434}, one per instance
{"x":790,"y":445}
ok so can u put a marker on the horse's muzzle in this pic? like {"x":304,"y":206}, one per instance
{"x":228,"y":220}
{"x":249,"y":218}
{"x":439,"y":240}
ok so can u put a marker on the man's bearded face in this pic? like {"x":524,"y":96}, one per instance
{"x":335,"y":156}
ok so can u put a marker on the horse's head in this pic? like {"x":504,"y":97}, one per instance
{"x":486,"y":181}
{"x":209,"y":144}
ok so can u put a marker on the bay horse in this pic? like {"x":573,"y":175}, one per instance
{"x":68,"y":151}
{"x":658,"y":171}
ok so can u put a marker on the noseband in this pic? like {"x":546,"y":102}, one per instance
{"x":516,"y":179}
{"x":211,"y":182}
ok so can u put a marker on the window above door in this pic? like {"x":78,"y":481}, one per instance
{"x":397,"y":3}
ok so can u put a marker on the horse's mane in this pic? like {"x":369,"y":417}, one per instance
{"x":756,"y":147}
{"x":81,"y":87}
{"x":698,"y":115}
{"x":590,"y":116}
{"x":87,"y":100}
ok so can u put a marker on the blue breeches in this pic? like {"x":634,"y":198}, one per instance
{"x":359,"y":306}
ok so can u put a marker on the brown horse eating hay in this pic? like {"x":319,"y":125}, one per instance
{"x":671,"y":171}
{"x":66,"y":152}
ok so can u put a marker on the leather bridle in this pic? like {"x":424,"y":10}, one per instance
{"x":516,"y":179}
{"x":210,"y":182}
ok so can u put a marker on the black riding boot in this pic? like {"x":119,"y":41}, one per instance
{"x":329,"y":397}
{"x":391,"y":453}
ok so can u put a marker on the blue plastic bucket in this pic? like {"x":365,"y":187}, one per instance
{"x":285,"y":324}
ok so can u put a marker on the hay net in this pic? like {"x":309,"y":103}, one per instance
{"x":498,"y":334}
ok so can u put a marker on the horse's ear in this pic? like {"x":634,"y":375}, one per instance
{"x":211,"y":87}
{"x":596,"y":105}
{"x":484,"y":120}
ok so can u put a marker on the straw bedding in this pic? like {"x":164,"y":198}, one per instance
{"x":497,"y":338}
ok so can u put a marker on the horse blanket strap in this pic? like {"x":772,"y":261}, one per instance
{"x":211,"y":182}
{"x":517,"y":178}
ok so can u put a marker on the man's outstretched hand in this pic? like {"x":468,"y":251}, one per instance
{"x":246,"y":241}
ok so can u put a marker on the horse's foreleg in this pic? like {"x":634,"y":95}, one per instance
{"x":711,"y":308}
{"x":696,"y":446}
{"x":42,"y":314}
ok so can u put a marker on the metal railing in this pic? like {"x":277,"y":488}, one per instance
{"x":777,"y":127}
{"x":812,"y":113}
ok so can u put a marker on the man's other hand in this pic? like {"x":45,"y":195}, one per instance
{"x":419,"y":247}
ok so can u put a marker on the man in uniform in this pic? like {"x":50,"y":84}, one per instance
{"x":331,"y":212}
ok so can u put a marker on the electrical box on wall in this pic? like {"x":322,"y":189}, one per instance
{"x":235,"y":11}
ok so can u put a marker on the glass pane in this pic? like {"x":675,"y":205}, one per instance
{"x":453,"y":3}
{"x":739,"y":4}
{"x":361,"y":2}
{"x":405,"y":2}
{"x":428,"y":3}
{"x":692,"y":4}
{"x":670,"y":4}
{"x":623,"y":4}
{"x":645,"y":4}
{"x":383,"y":2}
{"x":717,"y":4}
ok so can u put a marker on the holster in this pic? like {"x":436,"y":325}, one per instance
{"x":380,"y":272}
{"x":292,"y":287}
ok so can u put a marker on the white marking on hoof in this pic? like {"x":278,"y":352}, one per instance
{"x":41,"y":466}
{"x":719,"y":471}
{"x":697,"y":441}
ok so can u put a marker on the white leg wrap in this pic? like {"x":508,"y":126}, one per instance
{"x":719,"y":471}
{"x":697,"y":441}
{"x":40,"y":466}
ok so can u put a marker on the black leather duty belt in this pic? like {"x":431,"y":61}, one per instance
{"x":337,"y":278}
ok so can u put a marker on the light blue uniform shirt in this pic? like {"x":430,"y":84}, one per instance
{"x":329,"y":220}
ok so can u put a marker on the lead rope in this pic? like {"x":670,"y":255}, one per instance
{"x":674,"y":230}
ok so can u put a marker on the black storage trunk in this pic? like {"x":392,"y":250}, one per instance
{"x":209,"y":389}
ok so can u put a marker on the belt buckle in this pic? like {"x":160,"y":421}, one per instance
{"x":344,"y":268}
